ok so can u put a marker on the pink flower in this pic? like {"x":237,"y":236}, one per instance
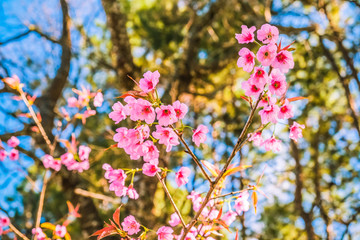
{"x":266,"y":100}
{"x":268,"y":34}
{"x":180,"y":109}
{"x":272,"y":144}
{"x":196,"y":200}
{"x":152,"y":153}
{"x":252,"y":89}
{"x":84,"y":152}
{"x":121,"y":137}
{"x":14,"y":154}
{"x":259,"y":77}
{"x":174,"y":220}
{"x":256,"y":138}
{"x":119,"y":113}
{"x":283,"y":61}
{"x":3,"y":154}
{"x":50,"y":162}
{"x":166,"y":115}
{"x":241,"y":203}
{"x":269,"y":114}
{"x":72,"y":102}
{"x":149,"y":82}
{"x":199,"y":135}
{"x":246,"y":59}
{"x":60,"y":230}
{"x":39,"y":233}
{"x":13,"y":142}
{"x":150,"y":169}
{"x":144,"y":111}
{"x":229,"y":217}
{"x":285,"y":111}
{"x":130,"y":225}
{"x":98,"y":99}
{"x":247,"y":34}
{"x":296,"y":131}
{"x":131,"y":192}
{"x":181,"y":177}
{"x":266,"y":54}
{"x":165,"y":233}
{"x":166,"y":136}
{"x":4,"y":221}
{"x":278,"y":84}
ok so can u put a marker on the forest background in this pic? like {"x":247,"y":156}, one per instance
{"x":56,"y":45}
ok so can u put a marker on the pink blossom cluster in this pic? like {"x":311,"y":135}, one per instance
{"x":267,"y":80}
{"x":13,"y":154}
{"x":4,"y":222}
{"x":154,"y":125}
{"x":77,"y":161}
{"x":84,"y":97}
{"x":117,"y":179}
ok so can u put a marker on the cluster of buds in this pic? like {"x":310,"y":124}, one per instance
{"x":267,"y":84}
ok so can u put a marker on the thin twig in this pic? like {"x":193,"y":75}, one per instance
{"x":102,"y":197}
{"x":37,"y":122}
{"x":236,"y":148}
{"x":17,"y":232}
{"x":188,"y":150}
{"x":41,"y":201}
{"x":171,"y":199}
{"x":230,"y":193}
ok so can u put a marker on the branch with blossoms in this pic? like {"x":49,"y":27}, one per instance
{"x":158,"y":123}
{"x":164,"y":124}
{"x":75,"y":159}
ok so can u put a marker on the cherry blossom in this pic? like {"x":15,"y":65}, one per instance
{"x":149,"y":82}
{"x":13,"y":142}
{"x":166,"y":115}
{"x":296,"y":131}
{"x":268,"y":34}
{"x":60,"y":230}
{"x":150,"y":169}
{"x":246,"y":60}
{"x":269,"y":114}
{"x":174,"y":220}
{"x":247,"y":34}
{"x":199,"y":135}
{"x":272,"y":144}
{"x":119,"y":113}
{"x":285,"y":111}
{"x":14,"y":154}
{"x":266,"y":54}
{"x":180,"y":109}
{"x":278,"y":83}
{"x":3,"y":154}
{"x":182,"y":176}
{"x":283,"y":61}
{"x":130,"y":225}
{"x":165,"y":233}
{"x":166,"y":136}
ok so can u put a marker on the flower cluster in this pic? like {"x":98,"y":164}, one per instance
{"x":267,"y":84}
{"x":13,"y":154}
{"x":144,"y":107}
{"x":74,"y":160}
